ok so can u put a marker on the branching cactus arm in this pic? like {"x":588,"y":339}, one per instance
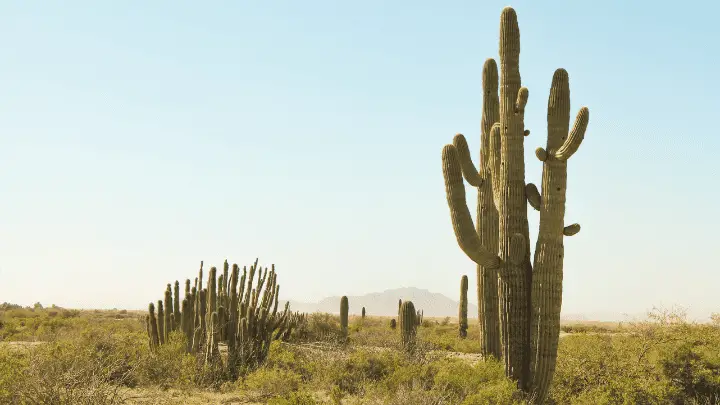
{"x":463,"y":226}
{"x":549,"y":251}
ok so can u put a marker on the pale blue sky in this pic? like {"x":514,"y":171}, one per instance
{"x":138,"y":138}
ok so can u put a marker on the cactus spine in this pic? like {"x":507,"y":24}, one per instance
{"x":408,"y":325}
{"x":463,"y":311}
{"x":529,"y":294}
{"x":344,"y":309}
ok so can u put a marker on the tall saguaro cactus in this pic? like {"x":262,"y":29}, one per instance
{"x":463,"y":310}
{"x":528,"y":297}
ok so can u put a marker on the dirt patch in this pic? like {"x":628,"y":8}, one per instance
{"x":21,"y":345}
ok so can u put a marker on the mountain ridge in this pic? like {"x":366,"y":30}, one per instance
{"x":385,"y":303}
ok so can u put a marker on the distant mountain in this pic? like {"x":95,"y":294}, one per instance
{"x":434,"y":304}
{"x":386,"y":303}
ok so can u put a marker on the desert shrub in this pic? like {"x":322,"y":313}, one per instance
{"x":169,"y":364}
{"x":446,"y":338}
{"x":608,"y":369}
{"x":694,"y":371}
{"x":289,"y":357}
{"x":322,"y":327}
{"x":266,"y":382}
{"x":13,"y":364}
{"x":75,"y":372}
{"x":294,"y":398}
{"x":665,"y":360}
{"x":364,"y":366}
{"x":376,"y":335}
{"x":481,"y":383}
{"x":410,"y":376}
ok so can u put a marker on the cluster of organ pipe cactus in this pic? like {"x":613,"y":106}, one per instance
{"x":463,"y":311}
{"x":519,"y":299}
{"x":408,"y":325}
{"x":232,"y":310}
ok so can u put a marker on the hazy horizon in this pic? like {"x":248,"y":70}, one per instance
{"x":136,"y":141}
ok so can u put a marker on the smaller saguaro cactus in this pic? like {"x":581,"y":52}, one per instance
{"x":153,"y":326}
{"x":186,"y":322}
{"x":393,"y":324}
{"x":212,"y":291}
{"x":463,"y":312}
{"x":212,"y":350}
{"x":363,"y":312}
{"x":344,"y":309}
{"x":168,"y":312}
{"x":176,"y":305}
{"x":161,"y":322}
{"x":408,"y":325}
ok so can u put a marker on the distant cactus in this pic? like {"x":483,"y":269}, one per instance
{"x":186,"y":324}
{"x":212,"y":292}
{"x":212,"y":349}
{"x":153,"y":327}
{"x":176,"y":306}
{"x":168,"y":312}
{"x":393,"y":323}
{"x":344,"y":309}
{"x":463,"y":312}
{"x":363,"y":312}
{"x":516,"y":296}
{"x":161,"y":322}
{"x":408,"y":325}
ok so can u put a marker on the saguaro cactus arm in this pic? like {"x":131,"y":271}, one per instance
{"x":471,"y":174}
{"x":571,"y":230}
{"x":576,"y":136}
{"x":465,"y":232}
{"x":533,"y":196}
{"x":562,"y":143}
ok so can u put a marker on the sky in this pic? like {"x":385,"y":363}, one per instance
{"x":139,"y":138}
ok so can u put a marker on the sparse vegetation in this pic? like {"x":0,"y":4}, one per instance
{"x":103,"y":357}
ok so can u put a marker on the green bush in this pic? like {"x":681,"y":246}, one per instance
{"x":267,"y":382}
